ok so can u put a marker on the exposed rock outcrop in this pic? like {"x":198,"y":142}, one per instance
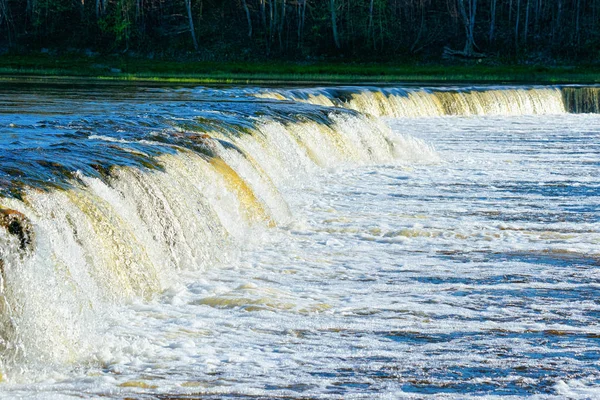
{"x":16,"y":223}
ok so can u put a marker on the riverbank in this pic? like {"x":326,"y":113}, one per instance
{"x":49,"y":67}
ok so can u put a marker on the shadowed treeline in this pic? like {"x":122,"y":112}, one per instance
{"x":535,"y":30}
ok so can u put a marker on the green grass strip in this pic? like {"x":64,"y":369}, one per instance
{"x":45,"y":67}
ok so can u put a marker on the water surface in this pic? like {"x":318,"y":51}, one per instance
{"x":376,"y":268}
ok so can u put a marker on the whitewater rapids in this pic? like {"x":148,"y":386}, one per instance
{"x":292,"y":243}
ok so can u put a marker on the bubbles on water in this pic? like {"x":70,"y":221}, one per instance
{"x":463,"y":271}
{"x":132,"y":232}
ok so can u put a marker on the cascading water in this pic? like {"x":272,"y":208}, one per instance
{"x":582,"y":99}
{"x":136,"y":199}
{"x":431,"y":102}
{"x":141,"y":204}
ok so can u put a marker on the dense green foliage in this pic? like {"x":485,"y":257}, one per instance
{"x":536,"y":30}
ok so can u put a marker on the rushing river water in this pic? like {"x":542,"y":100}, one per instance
{"x":308,"y":243}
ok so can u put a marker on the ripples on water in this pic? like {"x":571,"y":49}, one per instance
{"x":475,"y":275}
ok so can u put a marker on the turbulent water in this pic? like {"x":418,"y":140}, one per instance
{"x":349,"y":242}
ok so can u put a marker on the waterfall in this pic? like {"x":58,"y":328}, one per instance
{"x":68,"y":253}
{"x":119,"y":207}
{"x":432,"y":102}
{"x":582,"y":99}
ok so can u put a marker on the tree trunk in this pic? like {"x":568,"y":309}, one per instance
{"x":281,"y":23}
{"x":468,"y":18}
{"x":558,"y":19}
{"x":270,"y":37}
{"x":188,"y":6}
{"x":577,"y":23}
{"x":299,"y":24}
{"x":336,"y":38}
{"x":517,"y":25}
{"x":3,"y":8}
{"x":263,"y":14}
{"x":303,"y":14}
{"x":421,"y":27}
{"x":492,"y":20}
{"x":538,"y":11}
{"x":526,"y":25}
{"x":247,"y":11}
{"x":370,"y":30}
{"x":301,"y":19}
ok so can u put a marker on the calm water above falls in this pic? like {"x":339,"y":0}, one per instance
{"x":332,"y":273}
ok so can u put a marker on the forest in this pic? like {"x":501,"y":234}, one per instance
{"x":535,"y":31}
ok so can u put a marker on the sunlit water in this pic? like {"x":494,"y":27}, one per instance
{"x":471,"y":272}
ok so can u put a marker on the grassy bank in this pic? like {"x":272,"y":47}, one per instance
{"x":48,"y":67}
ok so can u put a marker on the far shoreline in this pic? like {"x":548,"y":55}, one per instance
{"x":81,"y":69}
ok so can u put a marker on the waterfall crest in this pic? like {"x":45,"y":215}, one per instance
{"x":582,"y":99}
{"x":435,"y":102}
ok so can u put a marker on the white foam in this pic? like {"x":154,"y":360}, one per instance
{"x":375,"y":281}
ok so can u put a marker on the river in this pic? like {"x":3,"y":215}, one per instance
{"x":335,"y":242}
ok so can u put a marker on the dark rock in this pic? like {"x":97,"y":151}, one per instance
{"x":19,"y":225}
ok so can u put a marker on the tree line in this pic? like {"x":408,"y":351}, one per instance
{"x":241,"y":29}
